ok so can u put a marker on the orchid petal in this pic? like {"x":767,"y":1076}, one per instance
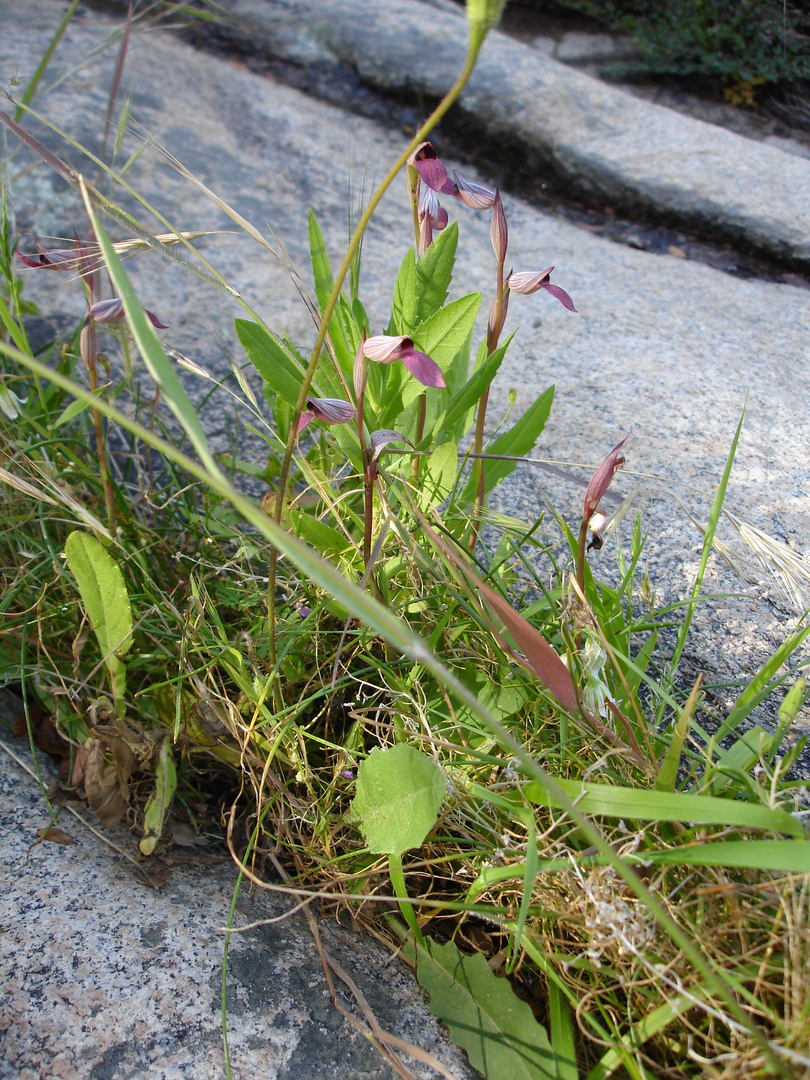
{"x":528,"y":281}
{"x":425,"y":370}
{"x":385,"y":349}
{"x":303,"y":420}
{"x":155,"y":321}
{"x":476,"y":196}
{"x":600,"y":480}
{"x":499,"y":234}
{"x":425,"y":235}
{"x":52,"y":258}
{"x":380,"y":439}
{"x":561,"y":295}
{"x":105,"y":311}
{"x":429,"y":207}
{"x":431,"y":171}
{"x":331,"y":410}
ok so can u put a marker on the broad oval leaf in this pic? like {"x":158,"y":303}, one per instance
{"x":399,"y":793}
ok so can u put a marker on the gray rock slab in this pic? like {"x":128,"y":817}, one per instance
{"x":105,"y":978}
{"x":662,"y":348}
{"x":605,"y":144}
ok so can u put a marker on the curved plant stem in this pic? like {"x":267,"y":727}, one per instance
{"x":473,"y":48}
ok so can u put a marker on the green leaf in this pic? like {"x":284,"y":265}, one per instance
{"x":642,"y":805}
{"x":444,"y":334}
{"x":781,"y":856}
{"x":277,"y":367}
{"x":104,"y":595}
{"x":454,"y":423}
{"x":517,"y":441}
{"x":403,"y":315}
{"x":668,"y":771}
{"x":321,"y":270}
{"x":485,"y":1016}
{"x":708,"y":539}
{"x":399,"y":793}
{"x":74,"y":409}
{"x":324,"y":281}
{"x":157,"y":806}
{"x":434,"y":272}
{"x":318,"y":534}
{"x":439,"y":476}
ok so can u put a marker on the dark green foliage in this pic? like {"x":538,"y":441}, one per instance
{"x":743,"y":42}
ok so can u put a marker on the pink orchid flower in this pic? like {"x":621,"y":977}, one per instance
{"x":327,"y":410}
{"x":529,"y":281}
{"x":107,"y":311}
{"x":385,"y":350}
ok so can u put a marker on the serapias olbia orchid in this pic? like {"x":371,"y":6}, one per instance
{"x":385,"y":350}
{"x":327,"y":410}
{"x":108,"y":311}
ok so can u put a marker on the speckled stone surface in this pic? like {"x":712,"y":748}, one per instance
{"x":104,"y":978}
{"x":605,"y":142}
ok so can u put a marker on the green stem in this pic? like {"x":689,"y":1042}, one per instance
{"x":420,"y":431}
{"x":406,"y":907}
{"x":493,"y":335}
{"x":474,"y":45}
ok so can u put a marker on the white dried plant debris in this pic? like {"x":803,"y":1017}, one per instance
{"x":616,"y":923}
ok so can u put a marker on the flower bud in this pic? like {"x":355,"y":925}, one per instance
{"x":497,"y":230}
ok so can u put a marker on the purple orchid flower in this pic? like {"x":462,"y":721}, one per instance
{"x":379,"y":440}
{"x":51,"y":258}
{"x":108,"y":311}
{"x":327,"y":410}
{"x":431,"y":216}
{"x":476,"y":196}
{"x":385,"y":350}
{"x":600,"y":481}
{"x":529,"y":281}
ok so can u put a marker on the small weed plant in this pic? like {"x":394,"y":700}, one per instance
{"x":436,"y":718}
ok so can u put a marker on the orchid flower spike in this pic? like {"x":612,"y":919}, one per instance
{"x":327,"y":410}
{"x":107,"y":311}
{"x":385,"y":350}
{"x":600,"y":481}
{"x":528,"y":281}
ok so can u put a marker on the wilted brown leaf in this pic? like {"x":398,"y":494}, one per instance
{"x":107,"y":770}
{"x":56,"y":836}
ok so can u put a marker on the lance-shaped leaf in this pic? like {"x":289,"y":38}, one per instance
{"x":104,"y":595}
{"x":484,"y":1014}
{"x":600,"y":481}
{"x":159,"y":802}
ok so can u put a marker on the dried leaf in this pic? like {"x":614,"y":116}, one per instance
{"x":106,"y":782}
{"x":56,"y":836}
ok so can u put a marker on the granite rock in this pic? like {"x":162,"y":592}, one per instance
{"x":599,"y":141}
{"x":106,"y":978}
